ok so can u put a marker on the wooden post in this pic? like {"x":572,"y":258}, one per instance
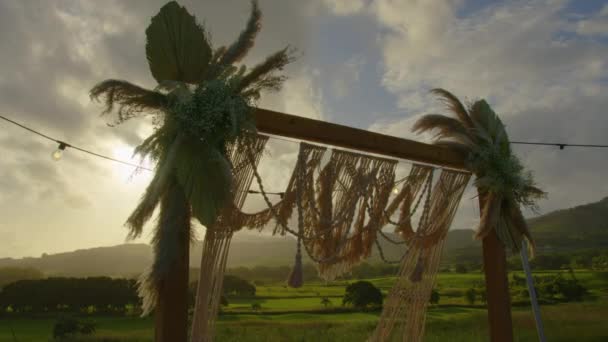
{"x":171,"y":311}
{"x":497,"y":286}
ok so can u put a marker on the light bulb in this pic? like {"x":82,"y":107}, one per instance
{"x":56,"y":155}
{"x":395,"y":191}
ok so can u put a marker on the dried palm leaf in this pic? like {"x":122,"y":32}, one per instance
{"x":132,"y":100}
{"x":244,"y":43}
{"x":447,"y":128}
{"x":177,"y":47}
{"x":454,"y":105}
{"x":274,"y":62}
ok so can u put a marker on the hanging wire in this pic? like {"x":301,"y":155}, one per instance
{"x":62,"y":144}
{"x":65,"y":144}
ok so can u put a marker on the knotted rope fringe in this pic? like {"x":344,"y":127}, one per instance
{"x":342,"y":207}
{"x":217,"y":238}
{"x":404,"y":312}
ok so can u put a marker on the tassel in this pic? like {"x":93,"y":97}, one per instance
{"x":296,"y":278}
{"x":416,"y":275}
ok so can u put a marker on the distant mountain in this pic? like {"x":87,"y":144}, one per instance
{"x":581,"y":227}
{"x":112,"y":261}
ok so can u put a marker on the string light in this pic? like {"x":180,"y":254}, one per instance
{"x":58,"y":153}
{"x":560,"y":145}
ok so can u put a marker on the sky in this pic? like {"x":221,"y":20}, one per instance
{"x":369,"y":64}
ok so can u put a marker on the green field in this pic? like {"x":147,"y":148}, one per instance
{"x":283,"y":317}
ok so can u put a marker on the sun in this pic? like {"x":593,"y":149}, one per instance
{"x":127,"y":172}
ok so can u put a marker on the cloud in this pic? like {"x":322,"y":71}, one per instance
{"x":346,"y":77}
{"x":547,"y":85}
{"x":596,"y":25}
{"x":344,"y":7}
{"x":542,"y":71}
{"x":52,"y":54}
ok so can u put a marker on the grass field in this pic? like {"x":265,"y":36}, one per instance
{"x":450,"y":321}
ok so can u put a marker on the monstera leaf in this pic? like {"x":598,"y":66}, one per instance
{"x":206,"y":177}
{"x":177,"y":47}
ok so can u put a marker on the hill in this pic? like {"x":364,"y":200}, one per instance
{"x":577,"y":229}
{"x":569,"y":230}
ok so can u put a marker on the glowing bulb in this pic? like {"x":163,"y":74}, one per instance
{"x":395,"y":191}
{"x":56,"y":155}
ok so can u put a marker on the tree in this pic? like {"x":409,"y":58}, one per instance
{"x":69,"y":326}
{"x":460,"y":268}
{"x":12,"y":274}
{"x":470,"y":296}
{"x":202,"y":103}
{"x":223,"y":300}
{"x":256,"y":306}
{"x":362,"y":294}
{"x":102,"y":294}
{"x":434,"y":297}
{"x":325,"y":301}
{"x":235,"y":286}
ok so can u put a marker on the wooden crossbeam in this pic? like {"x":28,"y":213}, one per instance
{"x":302,"y":128}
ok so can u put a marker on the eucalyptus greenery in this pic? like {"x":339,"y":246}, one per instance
{"x":480,"y":136}
{"x":202,"y":103}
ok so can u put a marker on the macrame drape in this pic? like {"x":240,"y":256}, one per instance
{"x":244,"y":156}
{"x":341,"y":207}
{"x":404,"y":310}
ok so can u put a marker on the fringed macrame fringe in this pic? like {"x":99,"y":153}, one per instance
{"x":341,"y":208}
{"x":296,"y":276}
{"x":404,"y":309}
{"x":244,"y":156}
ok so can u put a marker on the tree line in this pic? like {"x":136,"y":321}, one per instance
{"x":596,"y":259}
{"x":550,"y":289}
{"x":93,"y":295}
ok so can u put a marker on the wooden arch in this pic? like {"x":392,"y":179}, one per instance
{"x":494,"y":256}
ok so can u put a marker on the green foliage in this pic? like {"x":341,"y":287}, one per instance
{"x":470,"y":296}
{"x":435,"y":296}
{"x":549,"y":288}
{"x":450,"y":320}
{"x":235,"y":286}
{"x":256,"y":306}
{"x":325,"y":301}
{"x":503,"y":174}
{"x":67,"y":326}
{"x":214,"y":113}
{"x":12,"y":274}
{"x":581,"y":322}
{"x":460,"y":268}
{"x":105,"y":295}
{"x":362,"y":294}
